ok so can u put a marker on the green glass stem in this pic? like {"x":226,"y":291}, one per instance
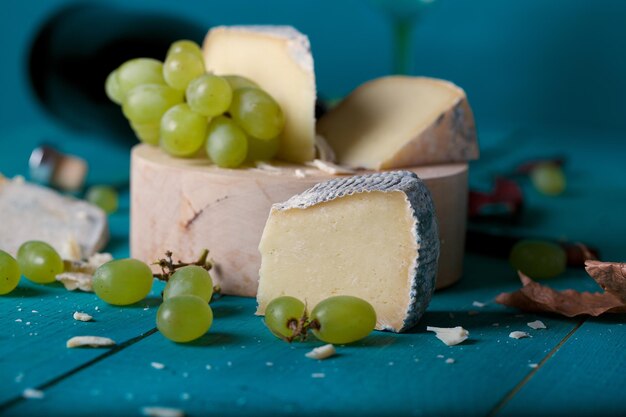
{"x":402,"y":57}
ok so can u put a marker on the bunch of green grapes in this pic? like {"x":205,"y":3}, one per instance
{"x":185,"y":314}
{"x":339,"y":320}
{"x":178,"y":105}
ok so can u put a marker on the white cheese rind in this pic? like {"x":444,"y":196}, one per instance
{"x":33,"y":212}
{"x":423,"y":267}
{"x":279,"y":60}
{"x":399,"y":121}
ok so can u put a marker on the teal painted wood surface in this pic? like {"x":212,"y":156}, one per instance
{"x":239,"y":368}
{"x":584,"y":377}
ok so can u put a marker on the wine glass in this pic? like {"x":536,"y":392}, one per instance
{"x":403,"y":15}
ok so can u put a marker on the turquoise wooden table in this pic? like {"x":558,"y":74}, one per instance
{"x":574,"y":367}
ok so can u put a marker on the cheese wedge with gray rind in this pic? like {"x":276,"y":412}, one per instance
{"x":400,"y":121}
{"x":32,"y":212}
{"x":372,"y":236}
{"x":279,"y":60}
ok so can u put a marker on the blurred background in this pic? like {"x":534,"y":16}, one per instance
{"x":543,"y":77}
{"x":522,"y":62}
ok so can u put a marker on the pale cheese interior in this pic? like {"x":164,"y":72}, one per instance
{"x":362,"y":245}
{"x":372,"y":124}
{"x":282,"y":66}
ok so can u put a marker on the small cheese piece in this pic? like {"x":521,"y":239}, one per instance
{"x":78,"y":316}
{"x":400,"y":121}
{"x":372,"y":236}
{"x":330,"y":167}
{"x":33,"y":212}
{"x":162,"y":412}
{"x":518,"y":335}
{"x":89,"y":341}
{"x":279,"y":60}
{"x":322,"y":352}
{"x":450,"y":335}
{"x":536,"y":325}
{"x":33,"y":394}
{"x":79,"y":274}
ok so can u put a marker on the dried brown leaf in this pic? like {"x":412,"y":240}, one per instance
{"x":611,"y":276}
{"x":535,"y":297}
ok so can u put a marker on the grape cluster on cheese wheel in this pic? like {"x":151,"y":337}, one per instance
{"x":188,"y":112}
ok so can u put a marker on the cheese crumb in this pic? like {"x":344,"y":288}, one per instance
{"x":318,"y":375}
{"x":157,"y":365}
{"x":78,"y":316}
{"x":33,"y":394}
{"x":71,"y":250}
{"x":478,"y":304}
{"x":537,"y":324}
{"x":91,"y":341}
{"x":533,"y":365}
{"x":518,"y":335}
{"x":162,"y":412}
{"x":450,"y":360}
{"x":300,"y":173}
{"x":450,"y":335}
{"x":324,"y":150}
{"x":440,"y":356}
{"x":79,"y":274}
{"x":264,"y":166}
{"x":321,"y":352}
{"x":329,"y":167}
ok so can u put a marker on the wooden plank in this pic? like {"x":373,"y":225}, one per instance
{"x":587,"y":375}
{"x":386,"y":373}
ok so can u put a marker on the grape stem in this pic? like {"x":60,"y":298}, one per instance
{"x":300,"y":327}
{"x":168,"y":267}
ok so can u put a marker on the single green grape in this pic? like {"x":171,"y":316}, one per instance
{"x":227,"y":144}
{"x":184,"y":318}
{"x":538,"y":259}
{"x":136,"y":72}
{"x":147,"y":133}
{"x":183,"y":131}
{"x":185,"y":46}
{"x":112,"y":88}
{"x":281,"y":313}
{"x":257,"y":113}
{"x":343,"y":319}
{"x":237,"y":81}
{"x":146,"y":104}
{"x":209,"y":95}
{"x":123,"y":281}
{"x":180,"y":68}
{"x":189,"y":280}
{"x":39,"y":262}
{"x":548,"y":179}
{"x":104,"y":197}
{"x":262,"y":149}
{"x":9,"y":273}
